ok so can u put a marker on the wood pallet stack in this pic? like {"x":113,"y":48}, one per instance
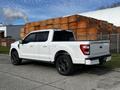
{"x":84,"y":28}
{"x":118,"y":29}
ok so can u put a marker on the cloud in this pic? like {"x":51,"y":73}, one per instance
{"x":11,"y":14}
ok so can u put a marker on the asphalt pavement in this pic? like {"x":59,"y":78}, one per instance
{"x":34,"y":75}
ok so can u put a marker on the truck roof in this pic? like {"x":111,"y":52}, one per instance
{"x":49,"y":30}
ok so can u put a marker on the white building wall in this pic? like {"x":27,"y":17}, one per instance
{"x":111,"y":15}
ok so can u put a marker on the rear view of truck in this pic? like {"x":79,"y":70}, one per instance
{"x":98,"y":52}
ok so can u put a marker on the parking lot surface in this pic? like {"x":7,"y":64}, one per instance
{"x":33,"y":75}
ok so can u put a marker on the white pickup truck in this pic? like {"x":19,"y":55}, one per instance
{"x":60,"y":48}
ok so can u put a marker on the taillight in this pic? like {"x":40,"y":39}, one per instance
{"x":85,"y":48}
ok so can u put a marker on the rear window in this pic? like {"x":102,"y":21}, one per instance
{"x":63,"y":36}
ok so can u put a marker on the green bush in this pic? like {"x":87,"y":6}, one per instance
{"x":4,"y":50}
{"x":115,"y":61}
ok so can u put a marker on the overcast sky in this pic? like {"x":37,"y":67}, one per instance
{"x":44,"y":9}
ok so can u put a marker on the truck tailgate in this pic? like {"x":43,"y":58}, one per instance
{"x":99,"y":48}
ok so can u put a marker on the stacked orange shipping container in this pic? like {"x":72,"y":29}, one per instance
{"x":84,"y":28}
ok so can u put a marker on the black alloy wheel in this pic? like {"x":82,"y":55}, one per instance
{"x":64,"y":65}
{"x":15,"y":60}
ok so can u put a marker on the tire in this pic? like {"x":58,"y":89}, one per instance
{"x":102,"y":61}
{"x":64,"y":65}
{"x":15,"y":60}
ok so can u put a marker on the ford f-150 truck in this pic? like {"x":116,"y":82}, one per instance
{"x":61,"y":48}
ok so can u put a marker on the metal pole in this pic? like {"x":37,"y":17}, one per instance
{"x":117,"y":43}
{"x":101,"y":36}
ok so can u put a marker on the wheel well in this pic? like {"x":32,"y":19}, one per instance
{"x":61,"y":52}
{"x":13,"y":50}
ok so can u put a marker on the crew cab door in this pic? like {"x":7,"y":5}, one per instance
{"x":28,"y":47}
{"x":43,"y":45}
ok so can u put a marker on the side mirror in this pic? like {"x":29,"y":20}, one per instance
{"x":20,"y":41}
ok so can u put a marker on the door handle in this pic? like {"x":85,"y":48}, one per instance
{"x":44,"y":46}
{"x":31,"y":46}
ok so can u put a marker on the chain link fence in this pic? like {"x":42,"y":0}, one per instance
{"x":114,"y":40}
{"x":115,"y":43}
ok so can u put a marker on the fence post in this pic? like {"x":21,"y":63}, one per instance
{"x":118,"y":43}
{"x":101,"y":36}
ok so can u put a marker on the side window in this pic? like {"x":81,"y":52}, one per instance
{"x":42,"y":36}
{"x":63,"y":36}
{"x":30,"y":38}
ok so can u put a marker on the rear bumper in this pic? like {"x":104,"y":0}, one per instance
{"x":97,"y":60}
